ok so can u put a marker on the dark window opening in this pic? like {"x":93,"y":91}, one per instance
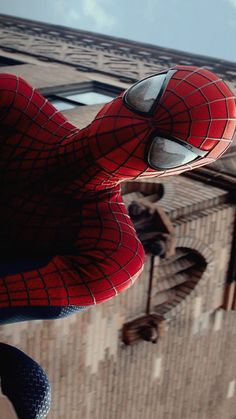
{"x":88,"y":93}
{"x":5,"y":62}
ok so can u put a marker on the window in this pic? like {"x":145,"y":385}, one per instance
{"x":89,"y":93}
{"x":5,"y":62}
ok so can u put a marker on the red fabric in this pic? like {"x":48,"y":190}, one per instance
{"x":47,"y":208}
{"x":196,"y":107}
{"x":60,"y":191}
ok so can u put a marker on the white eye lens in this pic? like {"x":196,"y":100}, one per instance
{"x":167,"y":154}
{"x":142,"y":95}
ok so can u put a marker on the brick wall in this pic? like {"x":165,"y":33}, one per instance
{"x":190,"y":373}
{"x":187,"y":374}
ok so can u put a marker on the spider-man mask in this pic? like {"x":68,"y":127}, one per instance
{"x":168,"y":123}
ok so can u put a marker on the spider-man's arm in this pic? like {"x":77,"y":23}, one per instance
{"x":108,"y":257}
{"x":31,"y":130}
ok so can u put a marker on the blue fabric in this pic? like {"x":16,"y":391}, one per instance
{"x":25,"y":383}
{"x":21,"y":314}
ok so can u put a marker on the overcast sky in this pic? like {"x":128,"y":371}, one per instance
{"x":205,"y":27}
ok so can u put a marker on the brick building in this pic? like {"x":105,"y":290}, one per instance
{"x":191,"y":371}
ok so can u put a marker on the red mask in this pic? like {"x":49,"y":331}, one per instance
{"x":166,"y":124}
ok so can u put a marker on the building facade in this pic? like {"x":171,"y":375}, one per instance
{"x":191,"y":370}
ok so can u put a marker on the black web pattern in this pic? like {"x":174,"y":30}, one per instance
{"x":25,"y":383}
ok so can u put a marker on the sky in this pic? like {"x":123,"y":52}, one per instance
{"x":206,"y":27}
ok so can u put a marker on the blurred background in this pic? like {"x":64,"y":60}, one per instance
{"x":165,"y":348}
{"x":202,"y":27}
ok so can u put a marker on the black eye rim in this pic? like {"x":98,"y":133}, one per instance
{"x":199,"y":153}
{"x":169,"y":74}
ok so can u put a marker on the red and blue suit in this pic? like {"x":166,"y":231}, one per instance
{"x":66,"y":239}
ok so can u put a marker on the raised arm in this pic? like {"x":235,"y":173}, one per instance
{"x":31,"y":129}
{"x":107,"y":258}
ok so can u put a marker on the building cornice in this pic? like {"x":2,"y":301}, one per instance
{"x":116,"y":57}
{"x":90,"y":51}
